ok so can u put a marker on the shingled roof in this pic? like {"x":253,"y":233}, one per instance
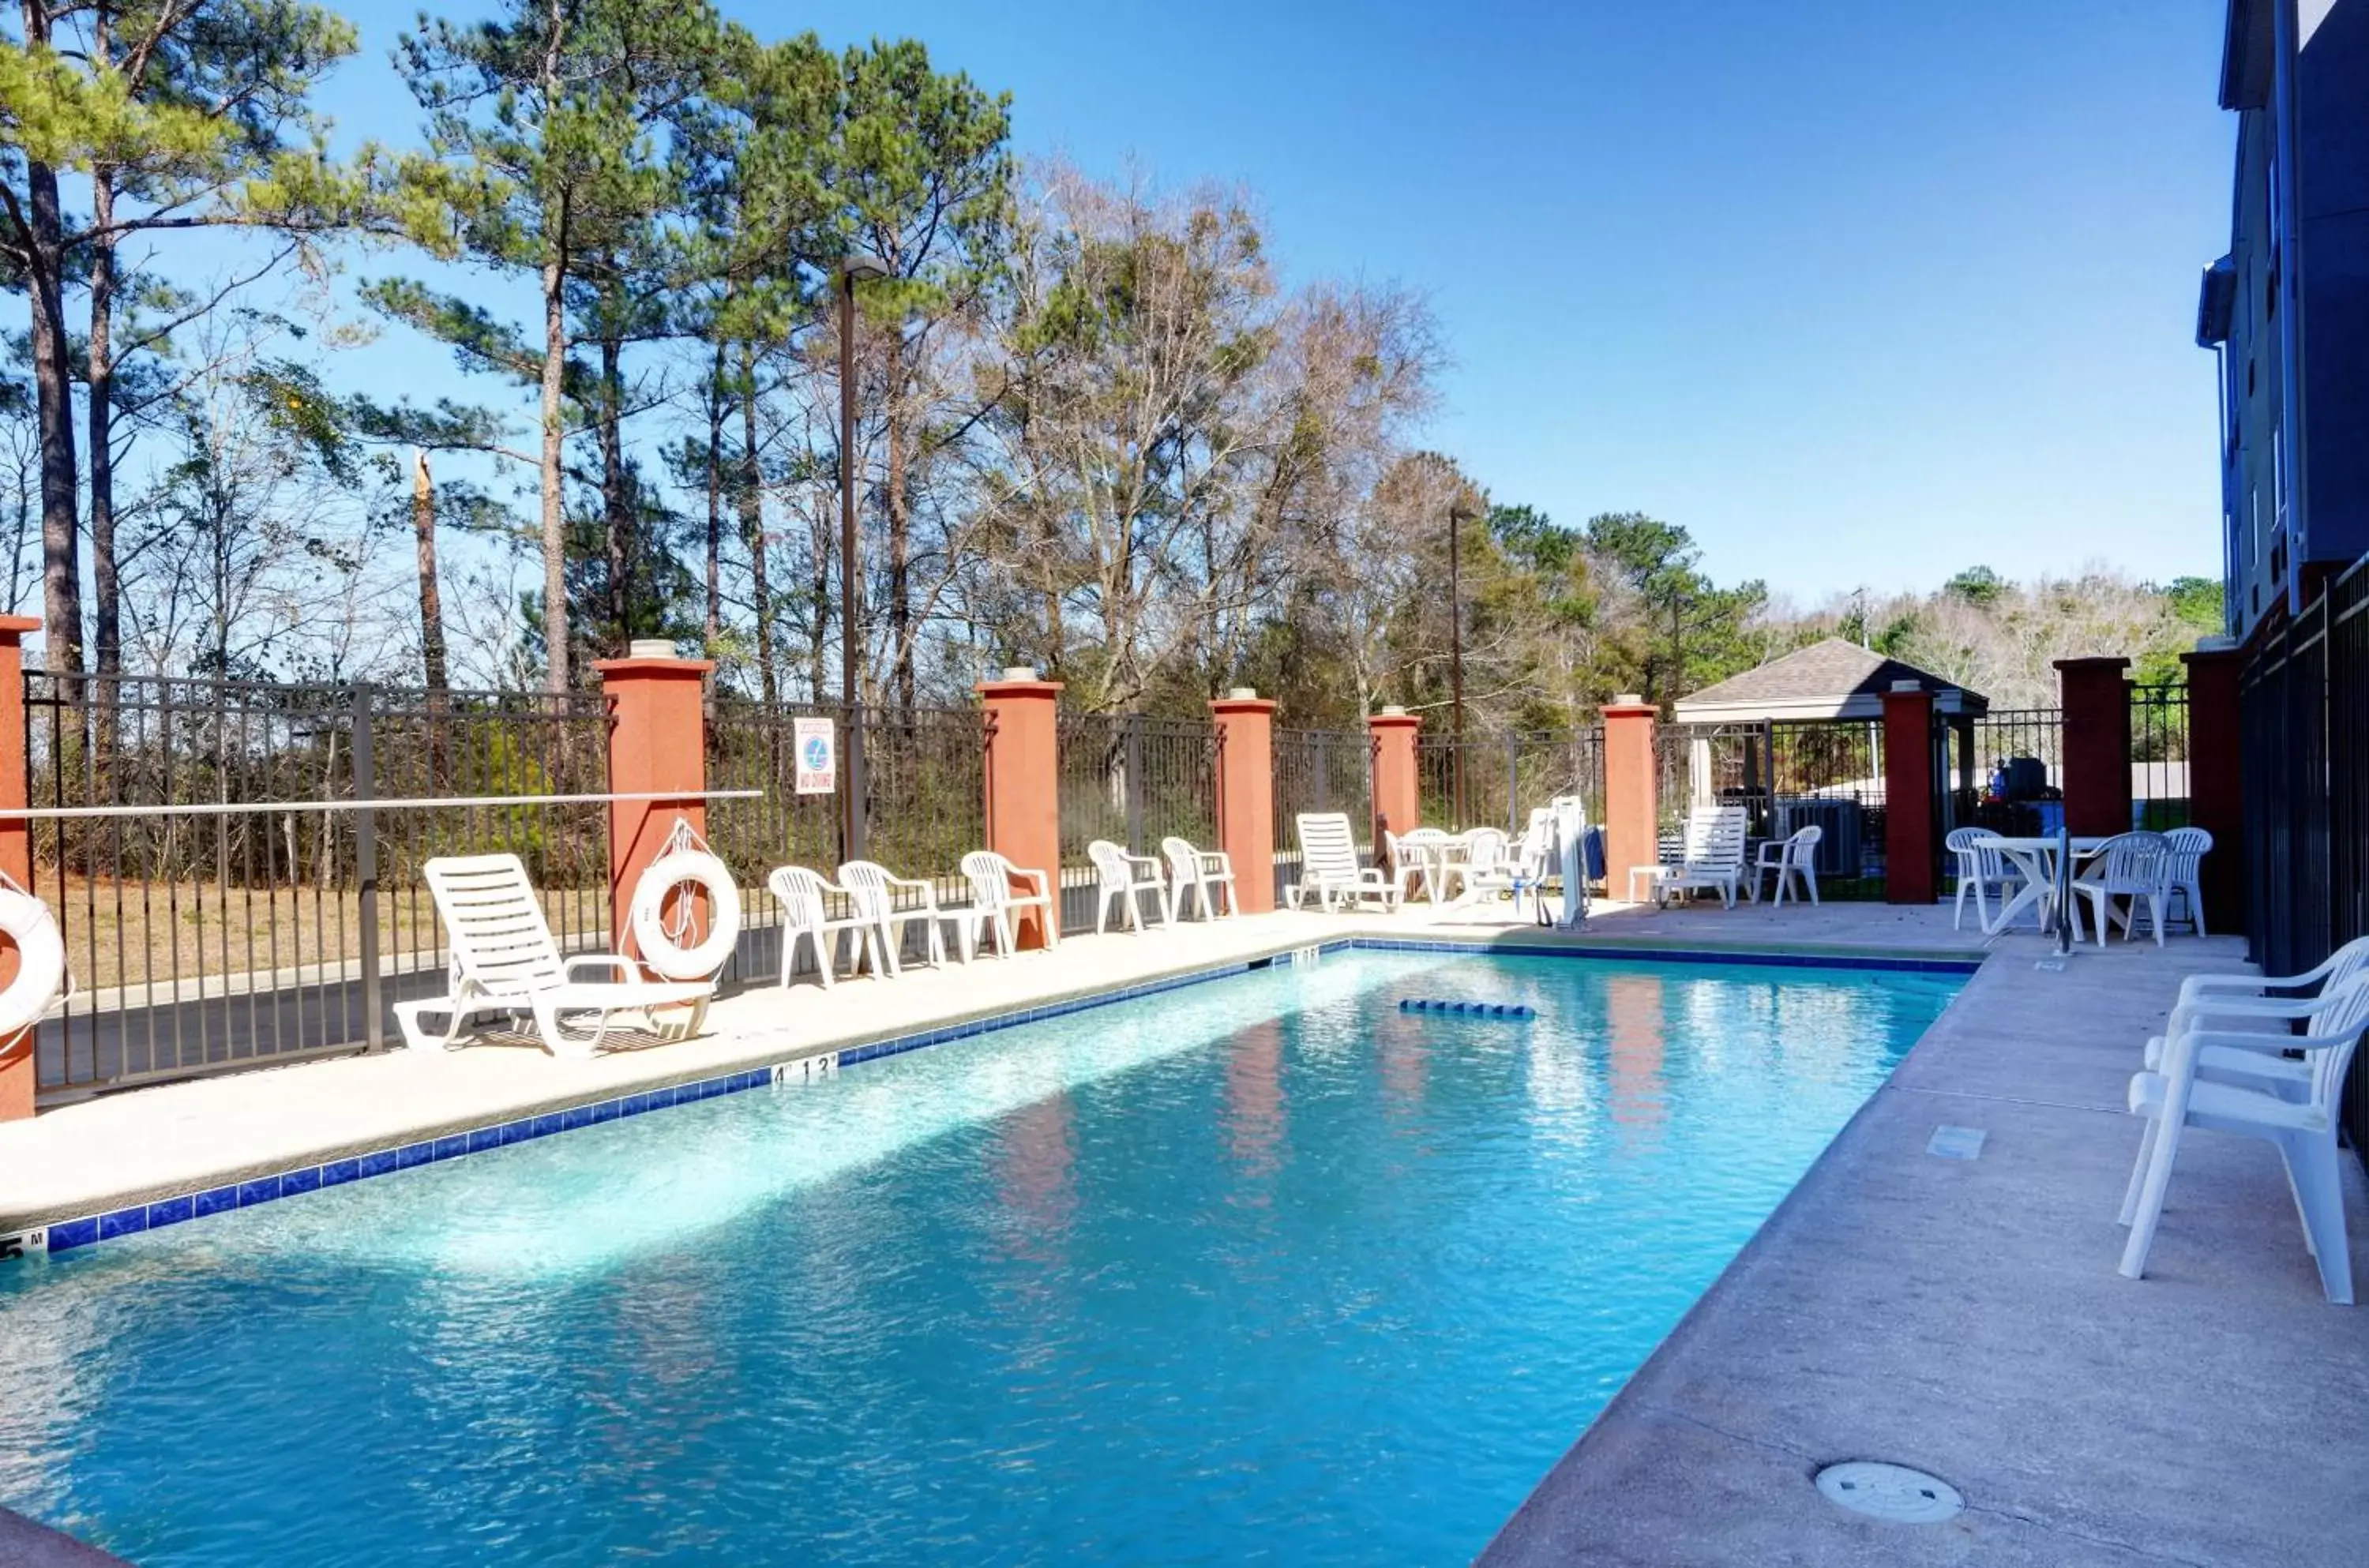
{"x":1832,"y":679}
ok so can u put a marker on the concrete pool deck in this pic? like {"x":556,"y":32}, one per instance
{"x":1965,"y":1318}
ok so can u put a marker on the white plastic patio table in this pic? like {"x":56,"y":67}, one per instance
{"x":1437,"y":855}
{"x":2036,"y":858}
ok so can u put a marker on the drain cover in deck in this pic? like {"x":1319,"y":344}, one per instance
{"x":1892,"y":1493}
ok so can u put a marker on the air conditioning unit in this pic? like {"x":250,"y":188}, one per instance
{"x":1839,"y":846}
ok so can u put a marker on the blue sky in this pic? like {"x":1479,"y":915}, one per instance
{"x":1861,"y":293}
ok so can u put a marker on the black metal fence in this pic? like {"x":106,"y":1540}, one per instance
{"x":1787,"y":776}
{"x":2303,"y":722}
{"x":2006,"y":771}
{"x":2158,"y":757}
{"x":1495,"y":781}
{"x":1319,"y":769}
{"x":924,"y":809}
{"x":228,"y":902}
{"x":1132,"y":779}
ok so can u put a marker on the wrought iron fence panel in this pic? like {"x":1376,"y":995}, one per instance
{"x":201,"y":942}
{"x":1826,"y":773}
{"x":2005,"y":770}
{"x":1319,"y":769}
{"x":2159,"y":758}
{"x":1134,"y":780}
{"x":925,"y":808}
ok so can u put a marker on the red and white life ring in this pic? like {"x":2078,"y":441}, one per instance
{"x":40,"y":960}
{"x":657,"y":945}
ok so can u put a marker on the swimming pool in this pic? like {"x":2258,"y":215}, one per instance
{"x":1256,"y":1269}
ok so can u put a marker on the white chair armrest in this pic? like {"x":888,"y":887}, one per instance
{"x":1036,"y":879}
{"x":2185,"y":1015}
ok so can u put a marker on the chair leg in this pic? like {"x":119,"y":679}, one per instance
{"x":826,"y":956}
{"x":1102,"y":913}
{"x":2311,"y":1162}
{"x":2158,"y":1183}
{"x":2138,"y":1174}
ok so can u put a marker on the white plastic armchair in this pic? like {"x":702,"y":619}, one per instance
{"x":806,"y":899}
{"x":875,"y":890}
{"x":2136,"y":866}
{"x":2303,"y":1124}
{"x":1329,"y":867}
{"x":1120,"y":877}
{"x":995,"y":905}
{"x":1796,"y":855}
{"x":1492,"y":865}
{"x":1983,"y":871}
{"x":1201,"y":874}
{"x":504,"y":960}
{"x":2189,"y":848}
{"x":2253,"y":1053}
{"x":1479,"y":862}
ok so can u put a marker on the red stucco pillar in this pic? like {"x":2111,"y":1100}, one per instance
{"x":2096,"y":693}
{"x":657,"y":744}
{"x":16,"y":1065}
{"x":1023,"y":784}
{"x":1632,"y":820}
{"x":2216,"y":785}
{"x":1398,"y":794}
{"x":1908,"y":784}
{"x":1245,"y":724}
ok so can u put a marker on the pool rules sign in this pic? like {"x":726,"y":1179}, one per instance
{"x":817,"y":748}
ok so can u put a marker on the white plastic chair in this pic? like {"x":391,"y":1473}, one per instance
{"x":2256,"y":1057}
{"x":2304,"y":1128}
{"x":2189,"y":848}
{"x":804,"y":896}
{"x":994,"y":906}
{"x":1329,"y":867}
{"x":1788,"y":858}
{"x":1983,"y":871}
{"x":1491,"y":867}
{"x":873,"y":889}
{"x":1200,"y":874}
{"x":1714,"y":855}
{"x":2134,"y":867}
{"x":504,"y":960}
{"x":1473,"y":856}
{"x":1120,"y":877}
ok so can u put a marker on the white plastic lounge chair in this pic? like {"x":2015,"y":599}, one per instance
{"x":1201,"y":874}
{"x":995,"y":905}
{"x":804,"y":896}
{"x":1983,"y":871}
{"x":2134,"y":867}
{"x":2189,"y":848}
{"x":1714,"y":855}
{"x":1794,"y":856}
{"x":1329,"y":869}
{"x":1119,"y":877}
{"x":872,"y":888}
{"x":504,"y":960}
{"x":2304,"y":1130}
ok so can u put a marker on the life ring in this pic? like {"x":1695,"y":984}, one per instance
{"x":40,"y":960}
{"x":659,"y":948}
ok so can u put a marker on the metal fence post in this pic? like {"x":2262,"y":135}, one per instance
{"x":366,"y":865}
{"x":1133,"y":764}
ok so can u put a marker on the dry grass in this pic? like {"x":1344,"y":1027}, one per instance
{"x":135,"y":933}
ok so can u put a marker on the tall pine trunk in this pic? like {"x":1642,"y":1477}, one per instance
{"x":555,"y":533}
{"x":617,"y":543}
{"x":713,"y":627}
{"x":107,"y":599}
{"x":431,"y":612}
{"x":752,"y":525}
{"x":900,"y":532}
{"x":53,"y":399}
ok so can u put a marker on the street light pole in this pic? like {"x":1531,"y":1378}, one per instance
{"x":1456,"y":654}
{"x":854,"y":267}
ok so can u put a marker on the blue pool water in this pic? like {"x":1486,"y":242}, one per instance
{"x":1256,"y":1270}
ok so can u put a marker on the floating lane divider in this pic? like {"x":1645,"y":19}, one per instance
{"x":1510,"y":1010}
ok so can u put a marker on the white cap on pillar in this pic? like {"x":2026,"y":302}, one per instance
{"x":1019,"y":672}
{"x":1243,"y":695}
{"x":652,"y":647}
{"x":1908,"y":685}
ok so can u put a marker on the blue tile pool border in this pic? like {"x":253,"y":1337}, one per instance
{"x":88,"y":1230}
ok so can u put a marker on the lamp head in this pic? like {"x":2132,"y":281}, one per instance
{"x":862,"y":267}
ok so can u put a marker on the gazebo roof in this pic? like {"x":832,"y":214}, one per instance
{"x":1832,"y":679}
